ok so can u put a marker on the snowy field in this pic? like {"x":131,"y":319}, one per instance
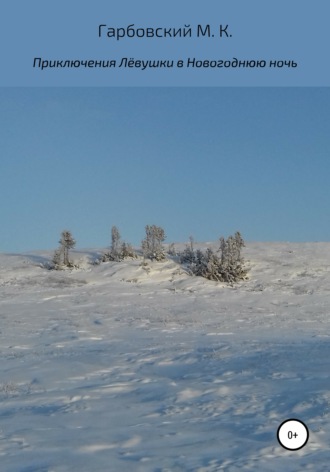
{"x":122,"y":368}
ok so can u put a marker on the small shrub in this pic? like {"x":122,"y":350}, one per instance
{"x":118,"y":250}
{"x":127,"y":251}
{"x":188,"y":256}
{"x":227,"y":267}
{"x":61,"y":255}
{"x":152,"y":247}
{"x":171,"y":250}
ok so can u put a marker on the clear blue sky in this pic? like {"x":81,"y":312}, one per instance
{"x":197,"y":161}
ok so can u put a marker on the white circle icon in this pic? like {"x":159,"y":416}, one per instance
{"x":292,"y":434}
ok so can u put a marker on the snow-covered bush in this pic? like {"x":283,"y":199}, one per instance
{"x":188,"y":256}
{"x":152,"y":247}
{"x":119,"y":250}
{"x":115,"y":243}
{"x":127,"y":251}
{"x":227,"y":265}
{"x":114,"y":253}
{"x":232,"y":262}
{"x":61,"y":255}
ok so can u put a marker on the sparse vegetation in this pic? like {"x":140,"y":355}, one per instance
{"x":224,"y":265}
{"x":119,"y":250}
{"x":152,"y":246}
{"x":188,"y":255}
{"x":227,"y":265}
{"x":61,"y":255}
{"x":171,"y":250}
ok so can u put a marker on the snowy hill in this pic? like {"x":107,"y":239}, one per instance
{"x":124,"y":367}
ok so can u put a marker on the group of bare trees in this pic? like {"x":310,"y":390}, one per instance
{"x":224,"y":265}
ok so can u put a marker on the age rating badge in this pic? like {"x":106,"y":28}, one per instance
{"x":292,"y":434}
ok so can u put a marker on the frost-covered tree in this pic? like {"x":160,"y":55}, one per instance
{"x":119,"y":250}
{"x":61,"y":255}
{"x":232,"y":262}
{"x":115,"y":240}
{"x":239,"y":240}
{"x":56,"y":259}
{"x":115,"y":249}
{"x":228,"y":266}
{"x":152,"y":246}
{"x":198,"y":265}
{"x":188,"y":256}
{"x":66,"y":243}
{"x":171,"y":250}
{"x":127,"y":251}
{"x":114,"y":253}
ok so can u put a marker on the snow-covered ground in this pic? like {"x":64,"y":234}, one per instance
{"x":119,"y":367}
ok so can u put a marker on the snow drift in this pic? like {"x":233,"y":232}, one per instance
{"x":127,"y":367}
